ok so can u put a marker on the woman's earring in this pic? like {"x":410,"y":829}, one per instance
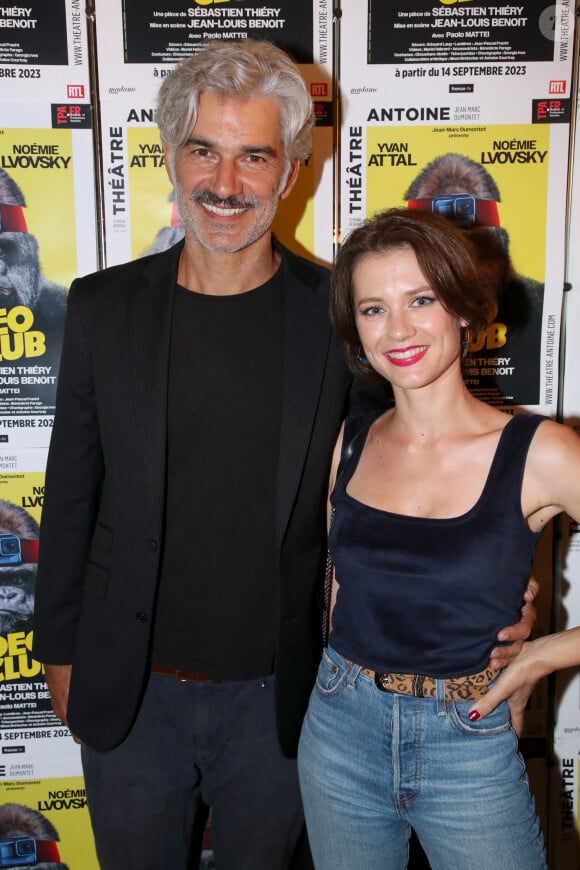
{"x":465,"y":340}
{"x":362,"y":359}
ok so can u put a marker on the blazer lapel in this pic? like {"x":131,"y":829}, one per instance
{"x":150,"y":308}
{"x":307,"y":336}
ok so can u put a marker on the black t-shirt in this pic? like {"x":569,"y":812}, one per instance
{"x":217,"y":607}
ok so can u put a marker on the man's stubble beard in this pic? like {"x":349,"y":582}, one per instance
{"x":267,"y":206}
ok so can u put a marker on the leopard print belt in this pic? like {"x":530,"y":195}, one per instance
{"x":469,"y":688}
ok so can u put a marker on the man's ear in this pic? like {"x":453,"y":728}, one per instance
{"x":291,"y":180}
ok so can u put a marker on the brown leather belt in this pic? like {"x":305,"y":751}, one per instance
{"x":469,"y":688}
{"x":182,"y":676}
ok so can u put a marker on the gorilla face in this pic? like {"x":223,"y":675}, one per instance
{"x":17,"y":820}
{"x":16,"y":598}
{"x":19,"y":270}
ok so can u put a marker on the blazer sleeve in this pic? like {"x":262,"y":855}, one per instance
{"x":74,"y":476}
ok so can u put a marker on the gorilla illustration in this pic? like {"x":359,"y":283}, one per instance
{"x":18,"y":821}
{"x":457,"y":174}
{"x":18,"y":581}
{"x":519,"y":298}
{"x":21,"y":278}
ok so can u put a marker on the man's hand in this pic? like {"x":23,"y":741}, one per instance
{"x":58,"y":681}
{"x":501,"y":656}
{"x":514,"y":685}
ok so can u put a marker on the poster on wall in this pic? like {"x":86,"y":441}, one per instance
{"x":422,"y":31}
{"x":139,"y":43}
{"x":165,"y":33}
{"x":466,"y":174}
{"x":24,"y":700}
{"x":43,"y":814}
{"x":571,"y":405}
{"x":44,"y":822}
{"x":140,"y":212}
{"x":138,"y":46}
{"x":567,"y":714}
{"x":566,"y":828}
{"x":47,"y":237}
{"x":47,"y":203}
{"x":464,"y":110}
{"x":138,"y":202}
{"x":43,"y":51}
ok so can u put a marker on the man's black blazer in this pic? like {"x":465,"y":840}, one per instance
{"x":102,"y":522}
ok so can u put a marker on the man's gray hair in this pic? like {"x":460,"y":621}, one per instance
{"x":241,"y":70}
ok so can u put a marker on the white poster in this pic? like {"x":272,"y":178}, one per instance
{"x":465,"y":111}
{"x":139,"y":44}
{"x":43,"y":52}
{"x":567,"y":710}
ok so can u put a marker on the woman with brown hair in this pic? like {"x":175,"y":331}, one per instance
{"x":438,"y":506}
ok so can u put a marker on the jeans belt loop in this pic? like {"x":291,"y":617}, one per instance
{"x":418,"y":681}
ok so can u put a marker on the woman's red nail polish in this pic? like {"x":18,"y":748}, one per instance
{"x":474,"y":716}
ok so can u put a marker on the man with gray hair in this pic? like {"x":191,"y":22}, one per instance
{"x":183,"y":536}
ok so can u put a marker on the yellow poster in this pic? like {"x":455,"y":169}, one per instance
{"x":507,"y":164}
{"x":37,"y":173}
{"x":491,"y":180}
{"x":45,"y":823}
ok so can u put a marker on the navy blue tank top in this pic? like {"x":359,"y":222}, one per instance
{"x":428,"y":596}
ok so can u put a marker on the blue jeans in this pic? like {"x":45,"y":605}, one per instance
{"x":373,"y":765}
{"x":215,"y":741}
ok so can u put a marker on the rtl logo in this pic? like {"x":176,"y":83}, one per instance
{"x":557,"y":86}
{"x":75,"y":92}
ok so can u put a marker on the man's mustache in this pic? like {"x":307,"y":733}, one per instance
{"x":210,"y":198}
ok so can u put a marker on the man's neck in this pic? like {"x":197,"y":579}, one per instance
{"x":217,"y":274}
